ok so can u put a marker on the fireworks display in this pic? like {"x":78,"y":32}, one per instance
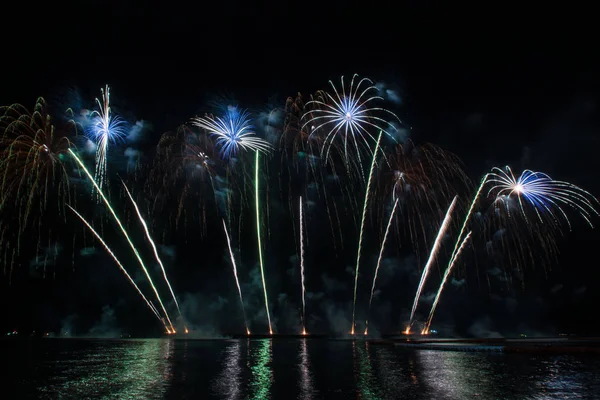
{"x":302,"y":267}
{"x":105,"y":128}
{"x":432,"y":255}
{"x":34,"y":178}
{"x":545,"y":195}
{"x":218,"y":170}
{"x":235,"y":275}
{"x":349,"y":113}
{"x":126,"y":235}
{"x":258,"y":235}
{"x":360,"y":235}
{"x":233,"y":132}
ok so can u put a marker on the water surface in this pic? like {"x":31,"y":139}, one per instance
{"x":284,"y":369}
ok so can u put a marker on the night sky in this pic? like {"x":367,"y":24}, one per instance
{"x":495,"y":87}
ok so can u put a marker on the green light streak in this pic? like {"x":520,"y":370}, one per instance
{"x":362,"y":226}
{"x":114,"y":257}
{"x":261,"y":372}
{"x":114,"y":214}
{"x":367,"y":382}
{"x":162,"y":267}
{"x":444,"y":279}
{"x":260,"y":255}
{"x":387,"y":231}
{"x":467,"y":217}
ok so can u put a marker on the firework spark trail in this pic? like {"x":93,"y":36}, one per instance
{"x":432,"y":255}
{"x":468,"y":216}
{"x":360,"y":235}
{"x":260,"y":255}
{"x":543,"y":193}
{"x":443,"y":283}
{"x":387,"y":231}
{"x":150,"y":305}
{"x":237,"y":282}
{"x":104,"y":128}
{"x":302,"y":268}
{"x":162,"y":267}
{"x":234,"y":132}
{"x":114,"y":214}
{"x":350,"y":114}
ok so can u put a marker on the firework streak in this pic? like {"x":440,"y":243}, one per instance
{"x":302,"y":268}
{"x":162,"y":267}
{"x":543,"y":193}
{"x":104,"y":128}
{"x":434,"y":251}
{"x":444,"y":279}
{"x":362,"y":226}
{"x":237,"y":282}
{"x":387,"y":231}
{"x":114,"y":214}
{"x":350,"y":114}
{"x":120,"y":265}
{"x":468,"y":216}
{"x":260,"y":255}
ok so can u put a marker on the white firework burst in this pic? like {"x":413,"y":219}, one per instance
{"x":544,"y":194}
{"x":234,"y":132}
{"x":350,"y":114}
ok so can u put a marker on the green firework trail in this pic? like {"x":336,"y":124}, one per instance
{"x":260,"y":255}
{"x":387,"y":231}
{"x":467,"y":217}
{"x":114,"y":257}
{"x":362,"y":226}
{"x":114,"y":214}
{"x":145,"y":226}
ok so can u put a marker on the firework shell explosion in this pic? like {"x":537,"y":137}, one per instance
{"x":215,"y":168}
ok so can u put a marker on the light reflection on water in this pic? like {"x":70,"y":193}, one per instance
{"x":262,"y":374}
{"x":229,"y":383}
{"x":307,"y":390}
{"x":124,"y":370}
{"x":284,"y":369}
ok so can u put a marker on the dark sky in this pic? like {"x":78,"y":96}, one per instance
{"x":495,"y":86}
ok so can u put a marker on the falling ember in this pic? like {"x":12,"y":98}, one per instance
{"x":366,"y":331}
{"x":304,"y":332}
{"x":360,"y":235}
{"x":432,"y":255}
{"x":186,"y":331}
{"x":260,"y":255}
{"x":407,"y":331}
{"x":237,"y":282}
{"x":120,"y":224}
{"x":247,"y":331}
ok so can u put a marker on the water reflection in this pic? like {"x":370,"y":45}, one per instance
{"x":564,"y":376}
{"x":363,"y":371}
{"x":124,"y":370}
{"x":262,"y":373}
{"x":229,"y":382}
{"x":449,"y":374}
{"x":307,"y":390}
{"x":304,"y":369}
